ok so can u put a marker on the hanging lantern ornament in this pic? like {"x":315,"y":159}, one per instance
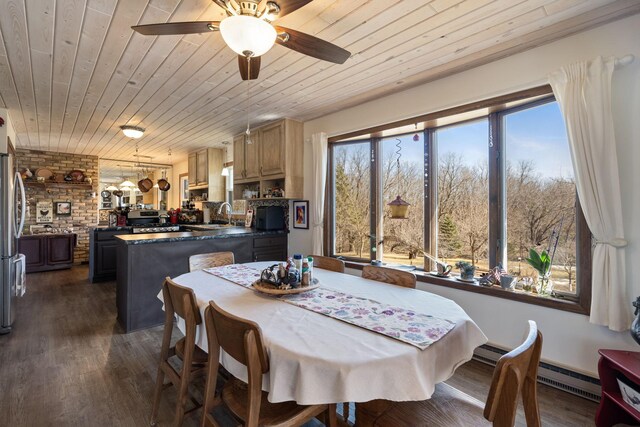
{"x":399,"y":208}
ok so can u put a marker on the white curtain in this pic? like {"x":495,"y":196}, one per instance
{"x":319,"y":153}
{"x":583,"y":91}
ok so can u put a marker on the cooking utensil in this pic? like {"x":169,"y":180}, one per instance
{"x":145,"y":185}
{"x":118,"y":193}
{"x":105,"y":194}
{"x":163,"y":184}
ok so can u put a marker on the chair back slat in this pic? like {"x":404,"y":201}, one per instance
{"x":392,"y":276}
{"x":231,"y":333}
{"x":516,"y":373}
{"x":210,"y":260}
{"x":328,"y":263}
{"x":177,"y":301}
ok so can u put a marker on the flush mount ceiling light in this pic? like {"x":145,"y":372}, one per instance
{"x":134,"y":132}
{"x":248,"y":31}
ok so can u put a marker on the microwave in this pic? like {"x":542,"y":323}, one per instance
{"x":270,"y":218}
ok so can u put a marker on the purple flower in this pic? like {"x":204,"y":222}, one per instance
{"x":414,"y":329}
{"x":388,"y":312}
{"x":361,"y":311}
{"x":378,"y":328}
{"x":330,"y":297}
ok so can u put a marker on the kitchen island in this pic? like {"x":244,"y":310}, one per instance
{"x":144,"y":260}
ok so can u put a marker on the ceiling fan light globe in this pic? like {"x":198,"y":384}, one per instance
{"x":248,"y":34}
{"x":132,"y":131}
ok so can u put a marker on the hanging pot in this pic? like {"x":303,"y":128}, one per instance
{"x":163,"y":184}
{"x":145,"y":185}
{"x":118,"y":193}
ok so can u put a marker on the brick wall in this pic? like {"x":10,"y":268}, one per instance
{"x":84,"y":208}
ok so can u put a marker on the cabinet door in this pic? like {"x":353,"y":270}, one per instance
{"x":106,"y":258}
{"x":238,"y":158}
{"x":193,"y":167}
{"x":33,"y":248}
{"x":202,"y":169}
{"x":272,"y":149}
{"x":252,"y":157}
{"x":60,"y":249}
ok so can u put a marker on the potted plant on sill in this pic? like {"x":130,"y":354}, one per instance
{"x":467,"y":270}
{"x":542,"y":264}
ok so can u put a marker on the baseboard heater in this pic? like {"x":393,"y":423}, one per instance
{"x":551,"y":375}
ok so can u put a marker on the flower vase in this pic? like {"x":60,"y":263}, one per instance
{"x":544,"y":286}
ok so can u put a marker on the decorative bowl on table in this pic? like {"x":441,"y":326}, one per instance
{"x":269,"y":288}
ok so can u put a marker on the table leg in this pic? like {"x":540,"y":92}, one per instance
{"x":368,"y":412}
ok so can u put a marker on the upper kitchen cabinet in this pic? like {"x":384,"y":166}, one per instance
{"x":205,"y":169}
{"x":273,"y":160}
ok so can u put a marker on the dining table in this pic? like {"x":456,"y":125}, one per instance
{"x":317,"y":359}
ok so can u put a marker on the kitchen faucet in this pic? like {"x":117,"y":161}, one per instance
{"x":228,"y":210}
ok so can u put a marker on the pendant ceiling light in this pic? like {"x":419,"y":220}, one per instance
{"x":134,"y":132}
{"x":247,"y":35}
{"x":111,"y":188}
{"x":399,"y":208}
{"x":127,"y":184}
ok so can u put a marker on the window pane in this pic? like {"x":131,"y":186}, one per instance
{"x":463,"y":193}
{"x":352,"y":178}
{"x":541,"y":193}
{"x":403,"y":238}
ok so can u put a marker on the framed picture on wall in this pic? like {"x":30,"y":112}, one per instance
{"x":184,"y":187}
{"x":301,"y":214}
{"x":62,"y":208}
{"x":44,"y":212}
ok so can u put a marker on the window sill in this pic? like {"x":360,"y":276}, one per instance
{"x":520,"y":296}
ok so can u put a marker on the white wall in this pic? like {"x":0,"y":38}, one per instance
{"x":569,"y":339}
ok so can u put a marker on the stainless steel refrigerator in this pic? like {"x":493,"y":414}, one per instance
{"x":12,"y":216}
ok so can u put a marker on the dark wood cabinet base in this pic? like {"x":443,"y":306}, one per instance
{"x":45,"y":252}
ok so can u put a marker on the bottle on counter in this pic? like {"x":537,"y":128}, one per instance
{"x":310,"y":262}
{"x":297,"y":261}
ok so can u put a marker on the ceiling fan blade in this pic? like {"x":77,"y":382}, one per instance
{"x":288,"y":6}
{"x":170,"y":28}
{"x":244,"y":67}
{"x":312,"y":46}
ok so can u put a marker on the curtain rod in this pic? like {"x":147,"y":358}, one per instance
{"x":625,"y":60}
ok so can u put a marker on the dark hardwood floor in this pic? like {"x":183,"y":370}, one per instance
{"x":67,"y":363}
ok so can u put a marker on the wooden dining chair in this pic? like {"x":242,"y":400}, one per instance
{"x":406,"y":279}
{"x":242,"y":340}
{"x":514,"y":374}
{"x":210,"y":260}
{"x":181,"y":301}
{"x":328,"y":263}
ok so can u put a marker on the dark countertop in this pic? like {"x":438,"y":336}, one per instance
{"x":113,"y":228}
{"x":179,"y":236}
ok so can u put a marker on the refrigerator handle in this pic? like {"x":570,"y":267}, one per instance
{"x":23,"y":199}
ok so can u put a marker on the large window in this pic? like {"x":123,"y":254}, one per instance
{"x":484,"y":186}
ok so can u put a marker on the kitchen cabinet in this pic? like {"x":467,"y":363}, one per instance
{"x":44,"y":252}
{"x":103,"y":254}
{"x":270,"y":248}
{"x":202,"y":168}
{"x":193,"y":168}
{"x":205,"y":173}
{"x":274,"y":159}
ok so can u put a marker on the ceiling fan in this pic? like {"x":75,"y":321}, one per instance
{"x":248,"y":31}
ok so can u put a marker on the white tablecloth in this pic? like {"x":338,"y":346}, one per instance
{"x":316,"y":359}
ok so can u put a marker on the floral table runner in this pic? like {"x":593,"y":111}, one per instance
{"x":419,"y":330}
{"x":236,"y":273}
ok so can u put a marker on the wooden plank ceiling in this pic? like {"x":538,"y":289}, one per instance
{"x":72,"y":71}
